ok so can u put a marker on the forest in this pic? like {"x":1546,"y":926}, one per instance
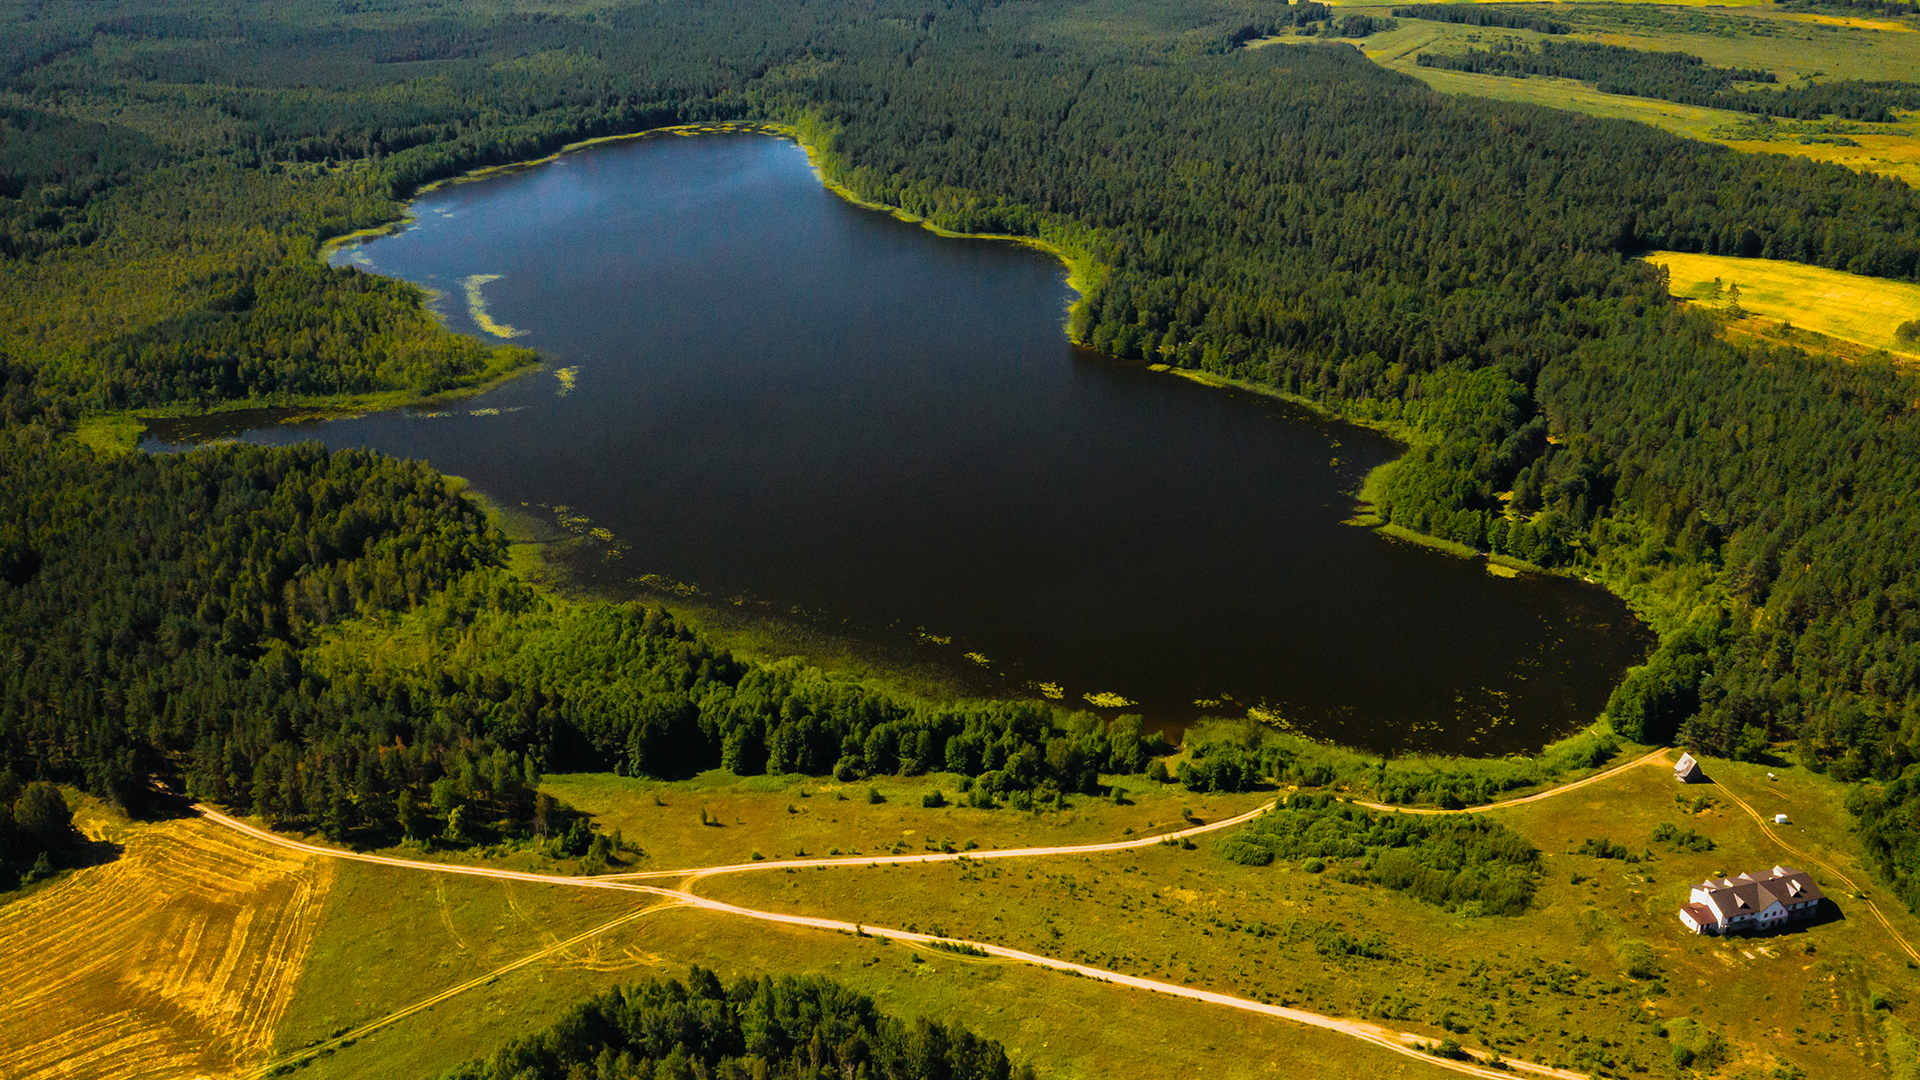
{"x":1501,"y":16}
{"x":804,"y":1028}
{"x":224,"y":655}
{"x":1462,"y":271}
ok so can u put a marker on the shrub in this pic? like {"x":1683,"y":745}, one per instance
{"x":933,"y":800}
{"x":1245,"y":853}
{"x":1602,"y":848}
{"x":1336,"y":943}
{"x":1638,"y":958}
{"x":1681,"y":839}
{"x":1908,"y":333}
{"x":1461,"y":863}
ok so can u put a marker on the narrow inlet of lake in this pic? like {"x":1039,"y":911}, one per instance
{"x":762,"y":391}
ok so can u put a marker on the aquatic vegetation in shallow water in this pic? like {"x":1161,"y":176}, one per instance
{"x":1107,"y":699}
{"x":1052,"y":691}
{"x":657,"y":583}
{"x":978,"y":659}
{"x":1271,"y":718}
{"x":567,"y":376}
{"x":477,"y":307}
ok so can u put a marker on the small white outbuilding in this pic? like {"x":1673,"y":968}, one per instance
{"x":1779,"y":819}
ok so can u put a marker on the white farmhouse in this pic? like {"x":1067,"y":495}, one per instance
{"x":1756,"y":902}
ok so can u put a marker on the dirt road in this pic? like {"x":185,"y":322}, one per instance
{"x":1536,"y":797}
{"x":1397,"y":1042}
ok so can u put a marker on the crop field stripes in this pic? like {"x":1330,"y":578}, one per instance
{"x":191,"y":939}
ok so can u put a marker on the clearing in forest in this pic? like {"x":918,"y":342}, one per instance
{"x":175,"y":959}
{"x":1851,"y":307}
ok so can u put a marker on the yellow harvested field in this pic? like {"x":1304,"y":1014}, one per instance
{"x":1853,"y":308}
{"x":1890,"y":25}
{"x":1894,"y":153}
{"x":176,"y":959}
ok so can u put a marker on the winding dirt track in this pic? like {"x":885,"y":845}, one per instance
{"x":1657,"y":755}
{"x":1408,"y":1044}
{"x":1808,"y":860}
{"x":1398,"y":1042}
{"x":695,"y":874}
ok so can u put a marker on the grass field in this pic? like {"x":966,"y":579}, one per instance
{"x":1793,"y":45}
{"x":1066,"y":1026}
{"x":1846,"y":306}
{"x":176,"y":959}
{"x":201,"y":953}
{"x":1550,"y":986}
{"x":781,"y":817}
{"x":393,"y":939}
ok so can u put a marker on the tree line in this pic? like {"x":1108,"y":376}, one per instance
{"x":1613,"y":69}
{"x":1685,"y":78}
{"x":805,"y":1028}
{"x":1893,"y":8}
{"x":1493,"y":15}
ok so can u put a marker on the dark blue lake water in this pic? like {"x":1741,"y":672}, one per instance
{"x":763,"y":391}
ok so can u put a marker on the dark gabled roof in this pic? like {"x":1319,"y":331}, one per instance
{"x":1750,"y":894}
{"x":1702,"y":914}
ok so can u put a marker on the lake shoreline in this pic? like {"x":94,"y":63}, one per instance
{"x":788,"y":634}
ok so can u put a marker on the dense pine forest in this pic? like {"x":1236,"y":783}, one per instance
{"x":1502,"y":16}
{"x":1464,"y":271}
{"x":807,"y":1029}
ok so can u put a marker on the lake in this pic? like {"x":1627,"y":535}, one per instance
{"x":815,"y":410}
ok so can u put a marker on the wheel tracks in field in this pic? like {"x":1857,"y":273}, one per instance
{"x":1403,"y":1043}
{"x":129,"y":969}
{"x":1806,"y":859}
{"x":346,"y":1037}
{"x":693,"y":874}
